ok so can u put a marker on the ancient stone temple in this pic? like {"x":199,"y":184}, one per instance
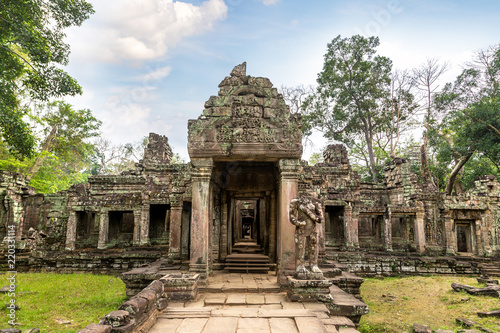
{"x":228,"y":208}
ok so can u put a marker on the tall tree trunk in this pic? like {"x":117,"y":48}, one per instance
{"x":371,"y":156}
{"x":47,"y":145}
{"x":455,"y":171}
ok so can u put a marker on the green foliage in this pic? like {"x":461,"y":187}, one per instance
{"x":469,"y":110}
{"x":81,"y":299}
{"x":31,"y":52}
{"x":64,"y":157}
{"x":359,"y":101}
{"x":316,"y":158}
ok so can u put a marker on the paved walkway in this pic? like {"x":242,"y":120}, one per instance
{"x":247,"y":303}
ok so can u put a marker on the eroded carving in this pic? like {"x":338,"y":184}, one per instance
{"x":306,"y":213}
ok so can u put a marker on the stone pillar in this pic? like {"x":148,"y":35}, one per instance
{"x":141,"y":225}
{"x":420,"y":230}
{"x":448,"y":226}
{"x":478,"y":238}
{"x":201,"y":217}
{"x":288,"y":190}
{"x":103,"y":229}
{"x":272,"y":226}
{"x":174,"y":247}
{"x":387,"y":230}
{"x":223,"y":227}
{"x":351,"y":226}
{"x":322,"y":236}
{"x":71,"y":231}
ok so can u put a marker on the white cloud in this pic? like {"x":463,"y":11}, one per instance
{"x":141,"y":30}
{"x":269,"y":2}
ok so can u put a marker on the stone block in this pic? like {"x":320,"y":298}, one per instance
{"x":95,"y":328}
{"x":157,"y":287}
{"x":420,"y":328}
{"x":136,"y":306}
{"x":117,"y":318}
{"x":494,"y":313}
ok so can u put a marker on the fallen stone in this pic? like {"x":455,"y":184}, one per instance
{"x":32,"y":330}
{"x":467,"y":331}
{"x":62,"y":321}
{"x":494,"y":313}
{"x":492,"y":290}
{"x":461,"y":287}
{"x":443,"y":331}
{"x":96,"y":328}
{"x":486,"y":280}
{"x":420,"y":328}
{"x":9,"y":306}
{"x":466,"y":322}
{"x":5,"y":289}
{"x":11,"y":330}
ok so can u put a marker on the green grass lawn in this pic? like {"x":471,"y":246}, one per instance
{"x":43,"y":299}
{"x":397,"y":303}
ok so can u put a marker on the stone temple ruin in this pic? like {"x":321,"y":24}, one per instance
{"x":228,"y":208}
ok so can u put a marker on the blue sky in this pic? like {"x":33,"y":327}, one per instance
{"x":150,"y":65}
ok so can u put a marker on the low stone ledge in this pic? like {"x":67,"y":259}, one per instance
{"x":138,"y":314}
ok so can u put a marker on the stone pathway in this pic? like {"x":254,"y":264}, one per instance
{"x":247,"y":303}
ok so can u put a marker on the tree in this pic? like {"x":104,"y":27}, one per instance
{"x":31,"y":52}
{"x":470,"y":108}
{"x":353,"y":89}
{"x":63,"y":157}
{"x":426,"y":76}
{"x":66,"y":133}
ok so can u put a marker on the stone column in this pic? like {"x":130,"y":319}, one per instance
{"x":272,"y":226}
{"x":478,"y":235}
{"x":288,"y":190}
{"x":141,"y":225}
{"x":201,"y":217}
{"x":351,"y":226}
{"x":223,"y":228}
{"x":448,"y":226}
{"x":103,"y":229}
{"x":387,"y":229}
{"x":420,"y":230}
{"x":174,"y":247}
{"x":71,"y":231}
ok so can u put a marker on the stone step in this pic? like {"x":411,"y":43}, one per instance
{"x":346,"y":305}
{"x":247,"y":262}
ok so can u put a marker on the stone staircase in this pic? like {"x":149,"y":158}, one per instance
{"x":247,"y":257}
{"x":490,"y":269}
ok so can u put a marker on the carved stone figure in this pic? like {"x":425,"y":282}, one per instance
{"x":306,"y":213}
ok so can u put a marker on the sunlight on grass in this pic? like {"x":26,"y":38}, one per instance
{"x":78,"y":298}
{"x":397,"y":303}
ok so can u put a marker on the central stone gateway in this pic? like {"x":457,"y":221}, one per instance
{"x":245,"y":150}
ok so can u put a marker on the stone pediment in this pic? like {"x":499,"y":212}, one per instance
{"x":247,"y":120}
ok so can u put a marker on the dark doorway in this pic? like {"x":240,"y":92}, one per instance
{"x":463,"y":238}
{"x":185,"y":230}
{"x":87,"y":230}
{"x":334,"y":225}
{"x":121,"y":227}
{"x":247,"y":226}
{"x":159,"y":216}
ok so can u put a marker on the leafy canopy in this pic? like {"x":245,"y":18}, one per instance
{"x":31,"y":52}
